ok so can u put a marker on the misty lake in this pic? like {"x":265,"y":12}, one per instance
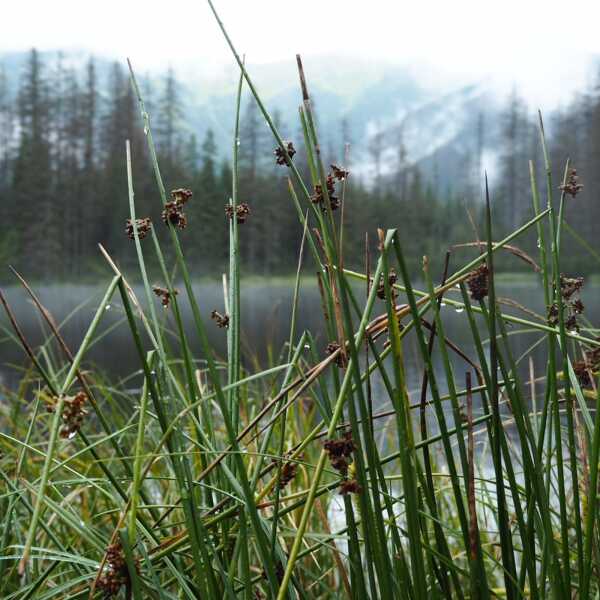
{"x":266,"y":309}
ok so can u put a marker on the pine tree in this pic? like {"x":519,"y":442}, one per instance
{"x":376,"y":151}
{"x":190,"y":159}
{"x":89,"y":115}
{"x":402,"y":164}
{"x":168,"y":119}
{"x":7,"y":234}
{"x":66,"y":155}
{"x":254,"y":149}
{"x":121,"y":122}
{"x":6,"y":128}
{"x":208,"y":211}
{"x":32,"y":201}
{"x":516,"y":135}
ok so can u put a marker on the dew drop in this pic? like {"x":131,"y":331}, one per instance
{"x":539,"y":243}
{"x":459,"y":309}
{"x":107,"y":307}
{"x":71,"y":435}
{"x":146,"y":130}
{"x":442,"y":304}
{"x":306,"y":347}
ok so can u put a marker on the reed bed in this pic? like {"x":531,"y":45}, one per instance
{"x":218,"y":480}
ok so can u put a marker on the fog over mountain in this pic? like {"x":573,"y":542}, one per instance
{"x":416,"y":138}
{"x":387,"y":112}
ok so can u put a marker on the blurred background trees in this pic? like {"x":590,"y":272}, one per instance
{"x":63,"y":183}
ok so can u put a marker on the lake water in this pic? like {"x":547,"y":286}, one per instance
{"x":266,"y":309}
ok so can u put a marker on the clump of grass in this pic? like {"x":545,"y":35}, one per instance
{"x":213,"y":480}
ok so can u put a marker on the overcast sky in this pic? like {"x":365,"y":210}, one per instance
{"x":542,"y":45}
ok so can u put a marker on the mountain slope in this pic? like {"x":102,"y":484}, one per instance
{"x":376,"y":107}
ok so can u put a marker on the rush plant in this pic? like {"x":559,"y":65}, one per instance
{"x":215,"y":479}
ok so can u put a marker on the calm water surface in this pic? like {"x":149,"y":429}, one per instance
{"x":266,"y":309}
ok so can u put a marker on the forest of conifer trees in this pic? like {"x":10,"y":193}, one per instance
{"x":63,"y":183}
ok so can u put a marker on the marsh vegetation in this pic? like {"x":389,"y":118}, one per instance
{"x":396,"y":438}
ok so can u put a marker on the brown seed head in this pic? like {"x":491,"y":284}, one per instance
{"x":173,"y":215}
{"x":553,"y":314}
{"x":570,"y":285}
{"x":181,"y":195}
{"x":164,"y":295}
{"x":115,"y":575}
{"x":339,"y":173}
{"x":288,"y":472}
{"x":73,"y":414}
{"x":341,"y":359}
{"x":318,"y":196}
{"x":592,"y":358}
{"x":221,"y":320}
{"x":340,"y":451}
{"x":392,"y":278}
{"x":349,"y":486}
{"x":581,"y":370}
{"x":578,"y":307}
{"x":280,"y":157}
{"x":571,"y":323}
{"x":572,"y":187}
{"x":241,"y":211}
{"x":142,"y":226}
{"x":477,"y":282}
{"x":569,"y":288}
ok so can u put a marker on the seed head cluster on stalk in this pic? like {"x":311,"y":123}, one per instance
{"x":173,"y":211}
{"x":572,"y":187}
{"x":586,"y":369}
{"x":477,"y":282}
{"x":280,"y":157}
{"x":73,"y":413}
{"x":318,"y":197}
{"x":241,"y":212}
{"x":142,"y":226}
{"x":341,"y":359}
{"x":164,"y":295}
{"x":340,"y":453}
{"x":339,"y":173}
{"x":115,"y":575}
{"x":569,"y":289}
{"x":288,"y":473}
{"x":392,"y":279}
{"x":222,"y":321}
